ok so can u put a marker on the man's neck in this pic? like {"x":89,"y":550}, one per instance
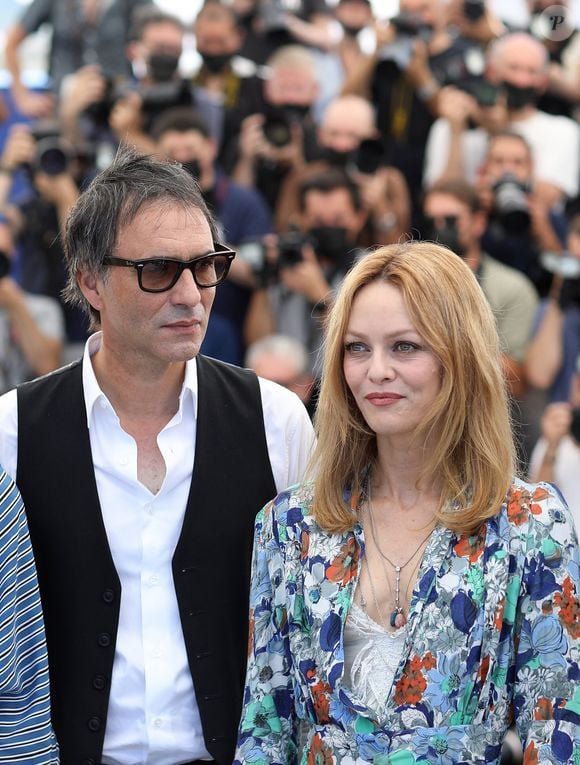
{"x":138,"y":392}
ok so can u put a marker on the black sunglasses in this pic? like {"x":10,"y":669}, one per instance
{"x":161,"y":274}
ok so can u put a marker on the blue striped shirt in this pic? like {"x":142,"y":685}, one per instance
{"x":26,"y":735}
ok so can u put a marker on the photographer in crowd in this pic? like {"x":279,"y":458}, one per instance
{"x":454,"y":217}
{"x":520,"y":226}
{"x":555,"y":346}
{"x":31,"y":326}
{"x":300,"y":270}
{"x":281,"y":136}
{"x":182,"y":135}
{"x":416,"y":54}
{"x":40,"y":178}
{"x":556,"y":456}
{"x":82,"y":33}
{"x":515,"y":77}
{"x":348,"y":139}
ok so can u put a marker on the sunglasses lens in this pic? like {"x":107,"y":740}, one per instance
{"x":158,"y":274}
{"x":211,"y":270}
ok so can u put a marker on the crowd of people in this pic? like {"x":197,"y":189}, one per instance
{"x":335,"y":200}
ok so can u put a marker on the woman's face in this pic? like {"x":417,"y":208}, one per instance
{"x":392,"y":374}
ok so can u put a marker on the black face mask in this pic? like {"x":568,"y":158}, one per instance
{"x":447,"y":235}
{"x":216,"y":62}
{"x":162,"y":66}
{"x":337,"y":158}
{"x":193,"y":168}
{"x":517,"y":97}
{"x":331,"y":243}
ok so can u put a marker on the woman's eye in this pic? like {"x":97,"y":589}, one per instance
{"x":355,"y":347}
{"x":406,"y":347}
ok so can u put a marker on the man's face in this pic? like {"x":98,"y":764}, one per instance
{"x":187,"y":146}
{"x":153,"y":330}
{"x":344,"y":126}
{"x":332,"y":209}
{"x":508,"y":155}
{"x":520,"y":63}
{"x":290,"y":86}
{"x":216,"y":33}
{"x":162,"y":37}
{"x":443,"y":207}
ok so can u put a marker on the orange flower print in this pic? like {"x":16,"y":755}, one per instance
{"x":569,"y":608}
{"x":530,"y":755}
{"x":411,"y":685}
{"x":319,"y":753}
{"x":521,"y":503}
{"x":321,"y":697}
{"x":471,"y":546}
{"x":544,"y":710}
{"x":344,"y":567}
{"x":304,"y":545}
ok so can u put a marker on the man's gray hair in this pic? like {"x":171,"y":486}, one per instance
{"x":280,"y":346}
{"x":111,"y":202}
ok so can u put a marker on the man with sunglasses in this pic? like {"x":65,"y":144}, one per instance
{"x":142,"y":468}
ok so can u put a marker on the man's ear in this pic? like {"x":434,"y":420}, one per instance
{"x":90,"y":286}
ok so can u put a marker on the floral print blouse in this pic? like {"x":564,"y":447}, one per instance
{"x":493,"y":637}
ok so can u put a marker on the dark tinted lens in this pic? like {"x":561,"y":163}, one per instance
{"x":211,"y":270}
{"x":158,"y":274}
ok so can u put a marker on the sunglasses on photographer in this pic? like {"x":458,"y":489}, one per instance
{"x":161,"y":274}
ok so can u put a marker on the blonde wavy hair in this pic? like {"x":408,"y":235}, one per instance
{"x":469,"y":423}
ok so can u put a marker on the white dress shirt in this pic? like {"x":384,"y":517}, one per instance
{"x":153,"y":718}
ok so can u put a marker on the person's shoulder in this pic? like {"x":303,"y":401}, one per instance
{"x":540,"y":510}
{"x":286,"y":516}
{"x":551,"y":122}
{"x":276,"y":395}
{"x":508,"y":276}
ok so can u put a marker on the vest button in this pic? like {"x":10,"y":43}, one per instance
{"x":108,"y":596}
{"x":94,"y":724}
{"x":104,"y":640}
{"x":99,"y":682}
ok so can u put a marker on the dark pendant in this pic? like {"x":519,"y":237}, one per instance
{"x":393,"y":618}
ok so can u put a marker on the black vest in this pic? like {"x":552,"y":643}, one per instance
{"x":80,"y":590}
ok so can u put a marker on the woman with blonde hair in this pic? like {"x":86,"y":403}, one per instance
{"x":415,"y":597}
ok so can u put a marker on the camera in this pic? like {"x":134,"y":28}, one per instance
{"x":160,"y":96}
{"x":271,"y":15}
{"x":473,"y":10}
{"x":511,"y":207}
{"x":408,"y":27}
{"x":368,"y":156}
{"x":290,"y":247}
{"x":277,"y":130}
{"x":52,"y":156}
{"x":567,"y":267}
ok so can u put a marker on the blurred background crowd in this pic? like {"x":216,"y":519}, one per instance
{"x":316,"y":129}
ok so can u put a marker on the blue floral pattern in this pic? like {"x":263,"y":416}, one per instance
{"x":493,"y":636}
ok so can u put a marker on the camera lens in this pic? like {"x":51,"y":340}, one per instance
{"x":51,"y":158}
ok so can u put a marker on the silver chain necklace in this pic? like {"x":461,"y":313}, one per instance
{"x":397,"y":616}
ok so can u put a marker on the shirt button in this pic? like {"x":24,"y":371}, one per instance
{"x":149,"y":508}
{"x":158,"y":722}
{"x":156,"y":653}
{"x":123,"y":460}
{"x":154,"y":579}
